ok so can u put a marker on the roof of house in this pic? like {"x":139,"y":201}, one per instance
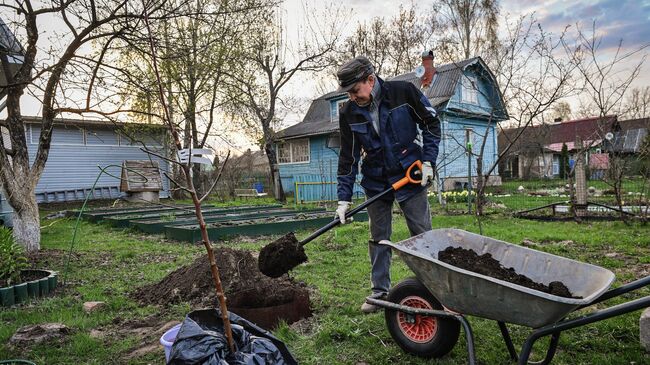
{"x":8,"y":41}
{"x":592,"y":131}
{"x":86,"y":122}
{"x":318,"y":120}
{"x":251,"y":160}
{"x":631,"y":135}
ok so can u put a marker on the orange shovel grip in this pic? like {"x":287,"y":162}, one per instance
{"x":409,"y":178}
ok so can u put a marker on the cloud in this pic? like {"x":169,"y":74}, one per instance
{"x":616,"y":20}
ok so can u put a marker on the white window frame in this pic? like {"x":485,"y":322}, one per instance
{"x":337,"y":107}
{"x":292,"y":157}
{"x":279,"y":156}
{"x":469,"y":89}
{"x":556,"y":164}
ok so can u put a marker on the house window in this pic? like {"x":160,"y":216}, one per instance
{"x":336,"y":108}
{"x":556,"y":164}
{"x":469,"y":93}
{"x":295,"y":151}
{"x":69,"y":135}
{"x":284,"y":152}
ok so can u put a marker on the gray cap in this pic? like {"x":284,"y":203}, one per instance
{"x":353,"y":71}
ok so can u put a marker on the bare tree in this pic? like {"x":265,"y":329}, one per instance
{"x":532,"y":78}
{"x":195,"y":54}
{"x":391,"y":43}
{"x":50,"y":76}
{"x":271,"y":64}
{"x":561,"y":111}
{"x":371,"y":40}
{"x":188,"y":186}
{"x":605,"y":82}
{"x":472,"y":28}
{"x":637,"y":103}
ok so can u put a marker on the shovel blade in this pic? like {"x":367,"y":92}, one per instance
{"x":280,"y":256}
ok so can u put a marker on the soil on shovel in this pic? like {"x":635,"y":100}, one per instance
{"x":281,"y":255}
{"x":244,"y":285}
{"x":486,"y":265}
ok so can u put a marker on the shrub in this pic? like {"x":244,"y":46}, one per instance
{"x":12,"y":258}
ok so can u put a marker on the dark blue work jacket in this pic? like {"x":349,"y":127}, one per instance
{"x":404,"y":114}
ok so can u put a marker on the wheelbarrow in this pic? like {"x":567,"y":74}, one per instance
{"x":424,"y":314}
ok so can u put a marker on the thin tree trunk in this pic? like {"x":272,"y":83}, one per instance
{"x":278,"y":192}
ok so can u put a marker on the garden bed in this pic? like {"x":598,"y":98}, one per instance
{"x":158,"y":225}
{"x":33,"y":285}
{"x":255,"y":227}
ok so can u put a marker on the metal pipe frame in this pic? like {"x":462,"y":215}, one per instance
{"x":469,"y":334}
{"x":552,"y":330}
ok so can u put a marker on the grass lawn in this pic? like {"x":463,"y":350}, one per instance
{"x":109,"y":263}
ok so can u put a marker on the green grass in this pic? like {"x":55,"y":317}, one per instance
{"x":631,"y":184}
{"x":108,"y":263}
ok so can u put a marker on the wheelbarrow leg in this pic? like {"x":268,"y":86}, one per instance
{"x":528,"y":347}
{"x":469,"y":338}
{"x":506,"y":338}
{"x":525,"y":354}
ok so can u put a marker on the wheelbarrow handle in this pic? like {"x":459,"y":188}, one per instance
{"x":412,"y":173}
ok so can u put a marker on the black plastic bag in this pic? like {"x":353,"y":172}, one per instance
{"x":201,"y":341}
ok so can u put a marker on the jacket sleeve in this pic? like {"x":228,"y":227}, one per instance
{"x":349,"y":153}
{"x":428,"y":121}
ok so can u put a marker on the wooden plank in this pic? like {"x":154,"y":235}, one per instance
{"x":140,"y":175}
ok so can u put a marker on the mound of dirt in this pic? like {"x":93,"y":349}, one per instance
{"x":244,"y":285}
{"x":486,"y":265}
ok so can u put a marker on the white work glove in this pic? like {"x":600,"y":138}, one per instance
{"x":427,"y":172}
{"x":342,"y":209}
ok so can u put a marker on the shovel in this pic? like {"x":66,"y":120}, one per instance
{"x":285,"y":253}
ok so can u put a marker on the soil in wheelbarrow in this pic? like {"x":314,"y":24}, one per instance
{"x":244,"y":285}
{"x":486,"y":265}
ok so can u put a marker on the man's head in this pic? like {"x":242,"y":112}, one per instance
{"x":356,"y":77}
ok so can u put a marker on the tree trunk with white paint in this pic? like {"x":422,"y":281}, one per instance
{"x":26,"y":224}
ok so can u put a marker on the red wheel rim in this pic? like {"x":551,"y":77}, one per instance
{"x":419,"y":329}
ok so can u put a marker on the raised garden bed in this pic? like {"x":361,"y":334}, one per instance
{"x":255,"y":227}
{"x":98,"y":216}
{"x":169,"y":217}
{"x":156,"y":211}
{"x":158,"y":225}
{"x":35,"y":284}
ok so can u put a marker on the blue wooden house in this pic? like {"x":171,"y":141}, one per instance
{"x":469,"y":104}
{"x":79,"y":146}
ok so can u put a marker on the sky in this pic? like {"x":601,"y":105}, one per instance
{"x":628,"y":20}
{"x":616,"y":20}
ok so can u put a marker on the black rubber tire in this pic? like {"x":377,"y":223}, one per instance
{"x":446,"y":333}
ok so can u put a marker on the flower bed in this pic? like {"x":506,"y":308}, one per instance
{"x":34,"y":284}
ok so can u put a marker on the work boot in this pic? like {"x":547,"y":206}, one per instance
{"x":371,"y":308}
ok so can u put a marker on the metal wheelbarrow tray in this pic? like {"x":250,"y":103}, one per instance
{"x":463,"y":292}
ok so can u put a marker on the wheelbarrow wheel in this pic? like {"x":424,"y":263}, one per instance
{"x":423,"y":336}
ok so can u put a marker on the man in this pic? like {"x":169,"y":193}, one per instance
{"x":392,"y":124}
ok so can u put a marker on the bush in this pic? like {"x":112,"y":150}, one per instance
{"x":12,"y":258}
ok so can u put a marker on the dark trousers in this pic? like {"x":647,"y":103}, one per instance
{"x":418,"y":219}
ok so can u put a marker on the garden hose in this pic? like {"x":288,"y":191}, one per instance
{"x":83,"y":207}
{"x":16,"y":362}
